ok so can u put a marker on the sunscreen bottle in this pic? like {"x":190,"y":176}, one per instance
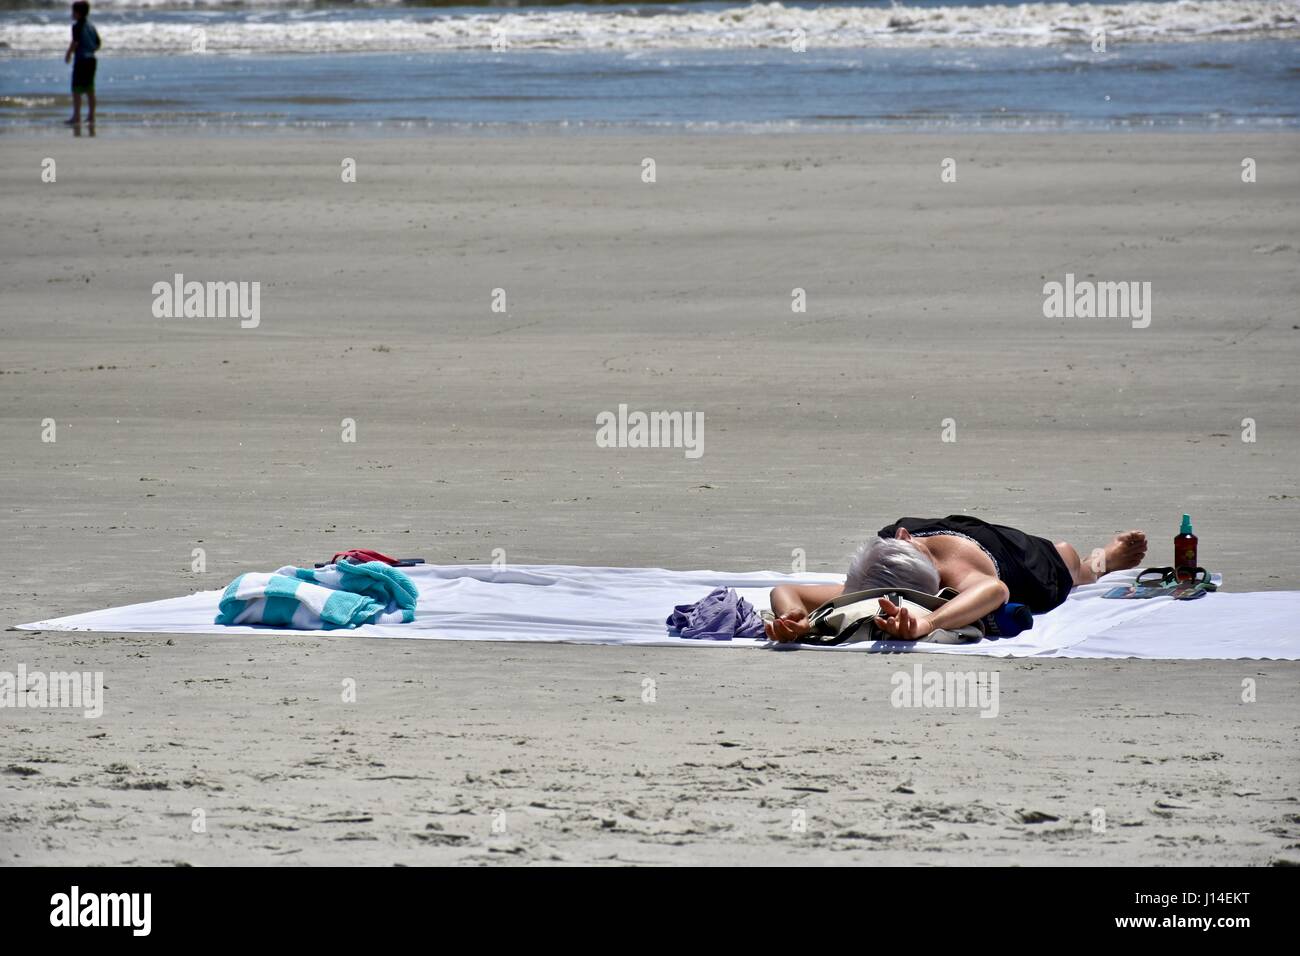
{"x":1185,"y":548}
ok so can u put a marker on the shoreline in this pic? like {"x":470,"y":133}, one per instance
{"x":1185,"y":87}
{"x":397,"y":131}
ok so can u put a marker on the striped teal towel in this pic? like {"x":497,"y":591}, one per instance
{"x":337,"y":595}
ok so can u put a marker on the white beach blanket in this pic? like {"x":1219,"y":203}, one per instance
{"x":629,"y":605}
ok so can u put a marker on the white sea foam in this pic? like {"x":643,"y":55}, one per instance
{"x":757,"y":26}
{"x":100,"y":6}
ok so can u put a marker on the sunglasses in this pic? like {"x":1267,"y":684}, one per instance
{"x":1161,"y":577}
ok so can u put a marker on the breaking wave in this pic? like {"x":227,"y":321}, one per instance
{"x":277,"y":26}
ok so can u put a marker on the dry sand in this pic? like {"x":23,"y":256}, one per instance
{"x":475,"y":431}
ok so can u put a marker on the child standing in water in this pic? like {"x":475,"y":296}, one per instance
{"x":85,"y":41}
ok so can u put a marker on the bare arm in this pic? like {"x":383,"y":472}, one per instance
{"x":791,"y":603}
{"x":979,"y":594}
{"x":802,"y":597}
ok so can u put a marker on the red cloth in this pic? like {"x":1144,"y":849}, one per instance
{"x":361,"y":556}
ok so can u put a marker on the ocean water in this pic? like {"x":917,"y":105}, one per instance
{"x":215,"y":64}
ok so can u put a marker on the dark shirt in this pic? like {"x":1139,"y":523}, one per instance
{"x":86,"y":39}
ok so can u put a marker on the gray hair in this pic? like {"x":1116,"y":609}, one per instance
{"x":891,"y":563}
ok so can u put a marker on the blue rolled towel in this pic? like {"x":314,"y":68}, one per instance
{"x":1009,"y":620}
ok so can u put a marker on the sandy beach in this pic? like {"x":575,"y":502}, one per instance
{"x":475,"y":431}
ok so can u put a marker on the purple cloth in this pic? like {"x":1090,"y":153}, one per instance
{"x":721,"y":616}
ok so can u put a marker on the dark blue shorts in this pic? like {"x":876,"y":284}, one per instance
{"x":83,"y":75}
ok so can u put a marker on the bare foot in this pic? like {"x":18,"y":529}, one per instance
{"x":1126,"y":551}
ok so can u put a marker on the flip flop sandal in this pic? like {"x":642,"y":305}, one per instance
{"x":363,"y":556}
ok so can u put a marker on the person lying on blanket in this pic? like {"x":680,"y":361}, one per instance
{"x":987,"y":564}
